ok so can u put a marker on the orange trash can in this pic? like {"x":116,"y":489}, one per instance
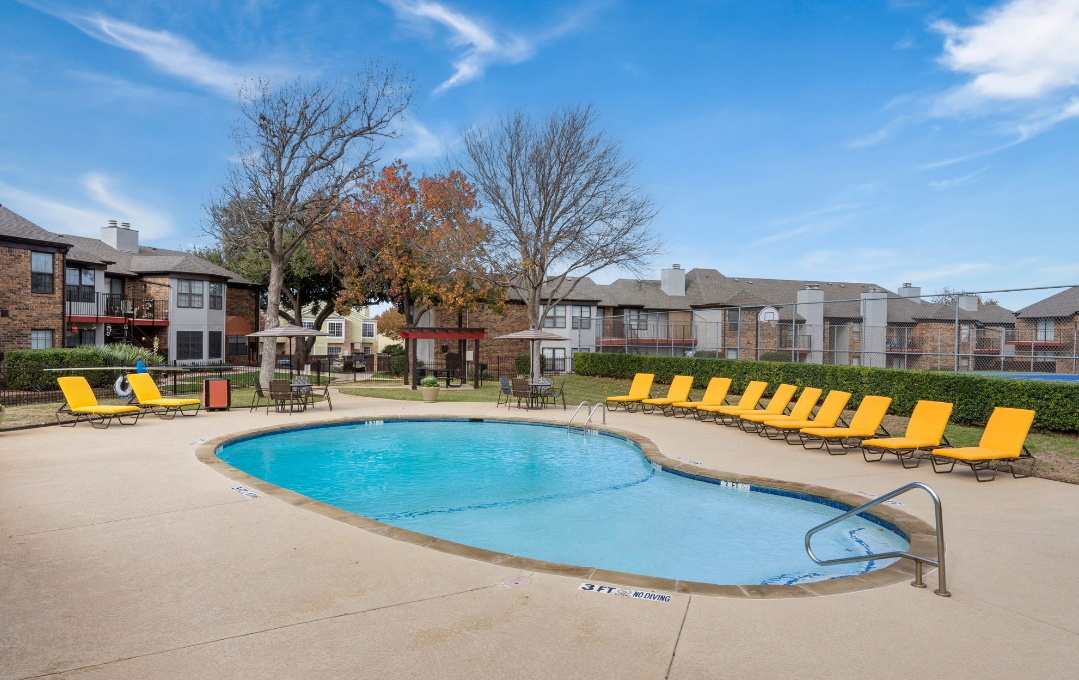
{"x":216,"y":394}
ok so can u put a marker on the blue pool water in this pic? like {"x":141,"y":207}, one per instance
{"x":544,"y":492}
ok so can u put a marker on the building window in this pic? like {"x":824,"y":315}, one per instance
{"x":333,"y":350}
{"x":217,"y":298}
{"x":964,"y":333}
{"x":79,"y":338}
{"x":856,"y":332}
{"x":336,"y":329}
{"x":554,"y":359}
{"x":308,"y":323}
{"x":1046,"y":330}
{"x":41,"y":339}
{"x":188,"y":345}
{"x":41,"y":276}
{"x":189,"y":294}
{"x":215,"y":344}
{"x":636,"y":320}
{"x":80,"y":284}
{"x":582,"y":316}
{"x":237,"y":345}
{"x":556,"y":317}
{"x":855,"y":360}
{"x":368,"y":329}
{"x":367,"y":349}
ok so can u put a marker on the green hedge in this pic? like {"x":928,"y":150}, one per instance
{"x":974,"y":396}
{"x":24,"y":368}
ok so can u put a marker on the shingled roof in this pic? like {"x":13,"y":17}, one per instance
{"x":16,"y":227}
{"x":150,"y":261}
{"x":1064,"y":303}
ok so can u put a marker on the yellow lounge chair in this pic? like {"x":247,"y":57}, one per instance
{"x":81,"y":404}
{"x":865,"y":423}
{"x":802,"y":409}
{"x":751,"y":398}
{"x":925,"y":431}
{"x":149,"y":397}
{"x":1003,"y":443}
{"x":777,"y":405}
{"x":829,"y":413}
{"x":639,"y":390}
{"x":678,"y":391}
{"x":714,"y":395}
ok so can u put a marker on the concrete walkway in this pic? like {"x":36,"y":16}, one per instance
{"x":122,"y":556}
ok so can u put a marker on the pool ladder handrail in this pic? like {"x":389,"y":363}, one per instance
{"x":601,"y":409}
{"x":942,"y":585}
{"x":577,"y":410}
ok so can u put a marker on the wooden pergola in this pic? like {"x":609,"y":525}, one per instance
{"x":461,"y":335}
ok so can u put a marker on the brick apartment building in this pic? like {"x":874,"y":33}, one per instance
{"x":113,"y":289}
{"x":704,"y":313}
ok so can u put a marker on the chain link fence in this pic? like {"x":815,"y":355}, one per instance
{"x":1026,"y":332}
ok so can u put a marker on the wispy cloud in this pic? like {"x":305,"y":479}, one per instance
{"x":941,"y":185}
{"x":165,"y":51}
{"x":886,"y":132}
{"x":479,"y":45}
{"x":422,"y":142}
{"x":102,"y":202}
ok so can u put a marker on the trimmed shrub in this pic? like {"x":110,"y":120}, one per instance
{"x":1055,"y":403}
{"x":25,"y":367}
{"x":522,"y":364}
{"x":397,"y":359}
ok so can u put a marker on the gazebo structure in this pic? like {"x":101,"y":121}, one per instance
{"x":461,"y":335}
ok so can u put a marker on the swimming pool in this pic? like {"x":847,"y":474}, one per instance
{"x":566,"y":496}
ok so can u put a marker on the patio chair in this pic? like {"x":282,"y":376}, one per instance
{"x":925,"y":432}
{"x":829,"y":413}
{"x":320,"y":391}
{"x":148,"y":396}
{"x":81,"y":404}
{"x":280,"y":395}
{"x":639,"y":390}
{"x":556,"y":393}
{"x":522,"y":390}
{"x":714,"y":395}
{"x":865,"y":424}
{"x":1003,"y":447}
{"x":260,"y":395}
{"x":678,"y":391}
{"x":505,"y":390}
{"x":802,"y":409}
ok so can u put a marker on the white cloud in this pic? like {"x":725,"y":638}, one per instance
{"x":85,"y":218}
{"x":479,"y":45}
{"x":165,"y":51}
{"x":1020,"y":50}
{"x":422,"y":142}
{"x":941,"y":185}
{"x":886,"y":132}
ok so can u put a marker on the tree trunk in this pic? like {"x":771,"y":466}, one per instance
{"x":303,"y":345}
{"x":273,"y":308}
{"x":534,"y":321}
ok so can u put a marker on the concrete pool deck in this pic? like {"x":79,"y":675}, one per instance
{"x":125,"y":557}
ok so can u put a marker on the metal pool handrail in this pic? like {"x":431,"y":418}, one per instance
{"x":942,"y":586}
{"x":602,"y":411}
{"x":577,"y":410}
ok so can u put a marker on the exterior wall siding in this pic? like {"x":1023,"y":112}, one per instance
{"x":26,"y":311}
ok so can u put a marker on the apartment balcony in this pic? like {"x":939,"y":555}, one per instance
{"x":618,"y":332}
{"x":94,"y":307}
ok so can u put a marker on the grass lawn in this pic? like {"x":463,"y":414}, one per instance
{"x":1057,"y":454}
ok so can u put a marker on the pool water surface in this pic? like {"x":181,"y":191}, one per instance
{"x":567,"y":496}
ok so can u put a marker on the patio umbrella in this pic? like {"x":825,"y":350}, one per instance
{"x":532,"y":335}
{"x":289,"y":331}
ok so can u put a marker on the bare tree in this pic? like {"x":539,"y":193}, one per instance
{"x":560,"y":200}
{"x":300,"y":150}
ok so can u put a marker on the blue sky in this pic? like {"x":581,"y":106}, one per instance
{"x":933,"y":142}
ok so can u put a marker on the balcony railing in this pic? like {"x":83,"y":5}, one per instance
{"x":632,"y":332}
{"x":101,"y":306}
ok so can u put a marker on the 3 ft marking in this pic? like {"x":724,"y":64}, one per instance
{"x":244,"y":491}
{"x":623,"y":592}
